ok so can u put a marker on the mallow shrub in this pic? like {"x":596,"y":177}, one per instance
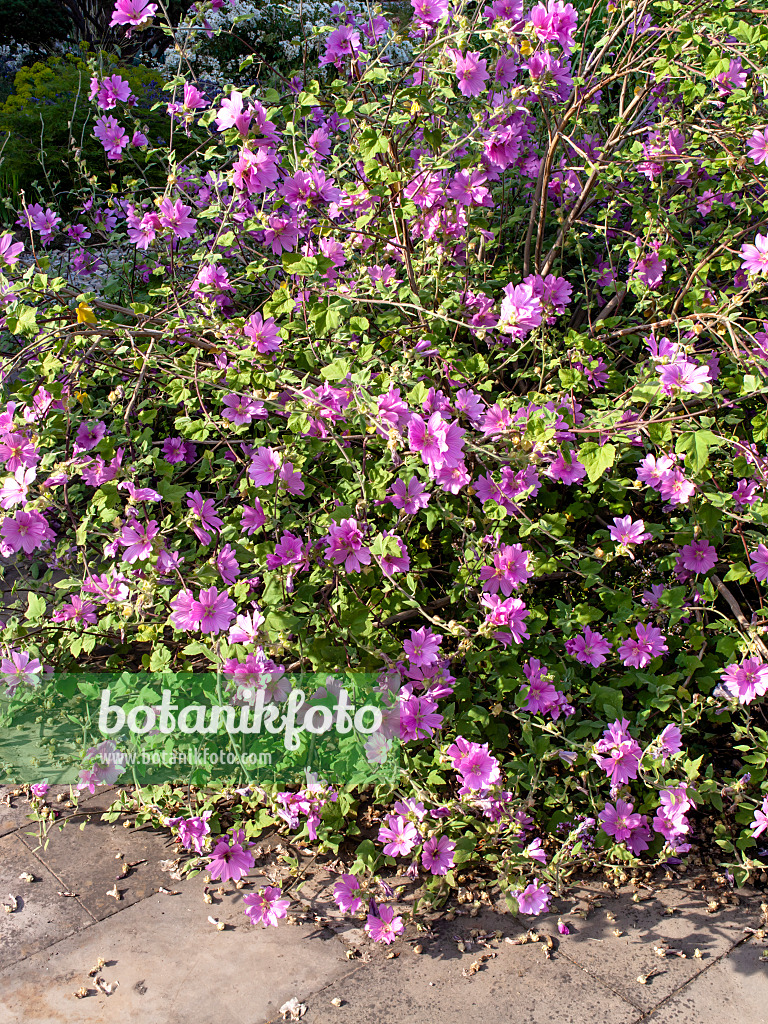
{"x":452,"y":371}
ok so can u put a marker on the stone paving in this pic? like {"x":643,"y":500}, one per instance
{"x":164,"y":962}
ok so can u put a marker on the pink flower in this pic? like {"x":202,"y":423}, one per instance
{"x":346,"y":894}
{"x":756,"y":256}
{"x":534,"y":899}
{"x":409,"y":497}
{"x":511,"y":613}
{"x":266,"y":907}
{"x":344,"y":544}
{"x":683,"y":375}
{"x":265,"y":463}
{"x":759,"y":563}
{"x":232,"y":115}
{"x":520,"y":311}
{"x":471,"y":73}
{"x":241,"y":410}
{"x":135,"y":13}
{"x":263,"y":333}
{"x":26,"y":531}
{"x":385,"y":926}
{"x":747,"y":680}
{"x":175,"y":215}
{"x":19,"y":668}
{"x":192,"y":831}
{"x":112,"y":136}
{"x":422,"y":648}
{"x":590,"y":648}
{"x":137,"y":539}
{"x":9,"y":250}
{"x":618,"y":754}
{"x":650,"y":643}
{"x":760,"y":821}
{"x":110,"y":91}
{"x":476,"y":766}
{"x":398,"y":835}
{"x":252,"y":517}
{"x":230,"y":860}
{"x":619,"y":821}
{"x":437,"y":855}
{"x":509,"y":570}
{"x":214,"y":611}
{"x":540,"y":693}
{"x":698,"y":556}
{"x":670,"y":742}
{"x":569,"y":472}
{"x":184,"y":614}
{"x":758,"y":146}
{"x":626,"y":531}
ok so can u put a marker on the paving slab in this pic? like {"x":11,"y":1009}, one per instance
{"x":90,"y":862}
{"x":42,"y":916}
{"x":617,"y":942}
{"x":516,"y":985}
{"x":734,"y":990}
{"x":173,"y":966}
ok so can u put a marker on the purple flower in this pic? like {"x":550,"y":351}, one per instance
{"x":263,"y":333}
{"x":759,"y":563}
{"x":619,"y":821}
{"x":534,"y":899}
{"x":590,"y":648}
{"x":384,"y":926}
{"x":520,"y":311}
{"x":230,"y":860}
{"x":344,"y":544}
{"x":650,"y":643}
{"x":760,"y":821}
{"x":756,"y":256}
{"x":422,"y":648}
{"x":437,"y":855}
{"x":266,"y":906}
{"x":135,"y":13}
{"x":88,"y":436}
{"x":627,"y":531}
{"x":747,"y":680}
{"x":409,"y":497}
{"x":398,"y":835}
{"x":471,"y":73}
{"x":192,"y":831}
{"x":26,"y":531}
{"x":346,"y":893}
{"x":758,"y":146}
{"x":699,"y":556}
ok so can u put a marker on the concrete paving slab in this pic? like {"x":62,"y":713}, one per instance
{"x":90,"y":862}
{"x":173,"y":966}
{"x":43,"y":917}
{"x":732,"y":991}
{"x":672,"y":917}
{"x":517,"y":985}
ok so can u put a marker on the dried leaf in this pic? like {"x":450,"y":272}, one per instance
{"x":293,"y":1009}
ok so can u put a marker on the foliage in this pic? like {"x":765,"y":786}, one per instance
{"x":467,"y":392}
{"x":35,"y":22}
{"x":46,"y":123}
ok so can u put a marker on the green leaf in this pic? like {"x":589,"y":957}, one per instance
{"x":35,"y":607}
{"x":596,"y":459}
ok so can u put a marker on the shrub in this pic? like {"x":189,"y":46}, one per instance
{"x":464,"y":391}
